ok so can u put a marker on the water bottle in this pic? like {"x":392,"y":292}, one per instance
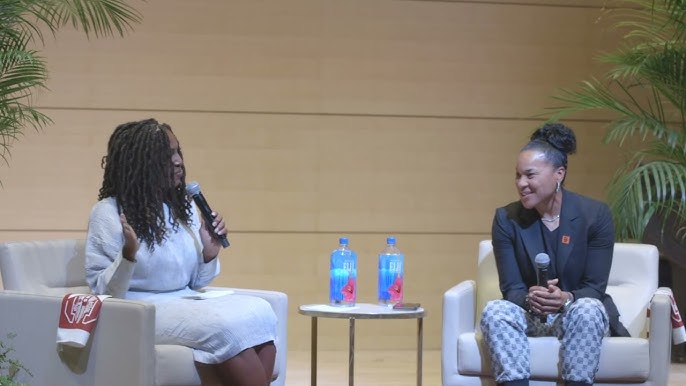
{"x":343,"y":275}
{"x":391,"y":271}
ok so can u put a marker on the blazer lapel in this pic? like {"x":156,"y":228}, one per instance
{"x":568,"y":215}
{"x":531,"y":234}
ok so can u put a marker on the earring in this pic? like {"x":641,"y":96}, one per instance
{"x":558,"y":187}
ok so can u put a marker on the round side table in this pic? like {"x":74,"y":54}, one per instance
{"x":359,"y":311}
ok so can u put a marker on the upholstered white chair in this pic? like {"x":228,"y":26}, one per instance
{"x":121,"y":351}
{"x":642,"y":359}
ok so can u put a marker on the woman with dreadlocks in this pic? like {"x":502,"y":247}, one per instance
{"x":146,"y":241}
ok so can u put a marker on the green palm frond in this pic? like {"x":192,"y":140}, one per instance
{"x":632,"y":116}
{"x":645,"y":94}
{"x":662,"y":150}
{"x":23,"y":70}
{"x":640,"y":191}
{"x":649,"y":21}
{"x":16,"y":17}
{"x":591,"y":95}
{"x":94,"y":17}
{"x":14,"y":117}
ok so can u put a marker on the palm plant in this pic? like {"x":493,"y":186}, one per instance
{"x":23,"y":70}
{"x":645,"y":93}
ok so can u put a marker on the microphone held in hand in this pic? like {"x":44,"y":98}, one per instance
{"x":193,"y":190}
{"x":542,"y":264}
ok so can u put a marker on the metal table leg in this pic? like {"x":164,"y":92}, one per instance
{"x":351,"y":354}
{"x":313,"y":353}
{"x":420,"y":337}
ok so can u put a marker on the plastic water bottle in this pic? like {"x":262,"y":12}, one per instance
{"x":343,"y":275}
{"x":391,"y":271}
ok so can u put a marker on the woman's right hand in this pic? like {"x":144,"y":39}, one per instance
{"x":131,"y":242}
{"x":544,"y":301}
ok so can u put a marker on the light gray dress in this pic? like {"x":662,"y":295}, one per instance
{"x":216,"y":329}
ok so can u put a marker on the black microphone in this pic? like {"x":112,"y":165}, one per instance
{"x":193,"y":190}
{"x":542,"y":264}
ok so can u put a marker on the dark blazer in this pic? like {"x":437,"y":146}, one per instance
{"x":584,"y":251}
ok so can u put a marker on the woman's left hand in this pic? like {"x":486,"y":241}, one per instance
{"x":547,"y":300}
{"x":209,"y":236}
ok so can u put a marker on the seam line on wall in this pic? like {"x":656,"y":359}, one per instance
{"x":320,"y":114}
{"x":518,"y":3}
{"x":237,"y":232}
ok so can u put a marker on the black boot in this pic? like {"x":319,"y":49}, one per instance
{"x":518,"y":382}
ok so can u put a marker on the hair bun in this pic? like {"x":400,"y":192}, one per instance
{"x":558,"y":136}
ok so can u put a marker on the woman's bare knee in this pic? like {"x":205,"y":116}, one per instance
{"x":244,"y":369}
{"x":267,"y":354}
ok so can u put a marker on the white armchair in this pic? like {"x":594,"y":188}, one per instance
{"x":122,"y":350}
{"x":642,"y":359}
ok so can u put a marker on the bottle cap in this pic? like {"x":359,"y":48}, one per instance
{"x":390,"y":240}
{"x":343,"y":241}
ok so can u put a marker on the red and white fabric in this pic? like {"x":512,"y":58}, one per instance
{"x":678,"y":330}
{"x":78,"y":317}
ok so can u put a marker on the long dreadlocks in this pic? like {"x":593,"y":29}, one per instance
{"x":139,"y":174}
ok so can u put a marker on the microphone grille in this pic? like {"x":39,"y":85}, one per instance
{"x":192,"y":188}
{"x":542,"y":260}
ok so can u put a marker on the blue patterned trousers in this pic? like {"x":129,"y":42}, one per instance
{"x":580,"y":329}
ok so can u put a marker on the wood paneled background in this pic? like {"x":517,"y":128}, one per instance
{"x":306,"y":120}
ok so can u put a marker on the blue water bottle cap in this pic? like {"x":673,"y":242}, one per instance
{"x":343,"y":241}
{"x":390,"y":240}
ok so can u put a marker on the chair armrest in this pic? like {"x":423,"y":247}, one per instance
{"x":458,"y":308}
{"x":278,"y":300}
{"x":123,"y":339}
{"x":458,"y":318}
{"x":660,"y":337}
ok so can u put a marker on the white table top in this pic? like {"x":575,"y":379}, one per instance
{"x":360,"y":311}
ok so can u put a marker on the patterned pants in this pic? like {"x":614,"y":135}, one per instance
{"x":580,"y":328}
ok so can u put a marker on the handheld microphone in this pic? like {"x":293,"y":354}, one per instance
{"x":193,"y":190}
{"x":542,"y":264}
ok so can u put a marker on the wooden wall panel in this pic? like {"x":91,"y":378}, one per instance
{"x":331,"y":56}
{"x":552,"y":3}
{"x":290,"y":185}
{"x":297,"y":173}
{"x":305,"y":120}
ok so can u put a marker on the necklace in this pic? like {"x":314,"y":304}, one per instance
{"x":551,"y":219}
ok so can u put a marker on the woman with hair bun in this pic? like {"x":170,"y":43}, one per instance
{"x":577,"y":234}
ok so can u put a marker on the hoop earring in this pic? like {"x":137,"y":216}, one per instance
{"x":558,"y":187}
